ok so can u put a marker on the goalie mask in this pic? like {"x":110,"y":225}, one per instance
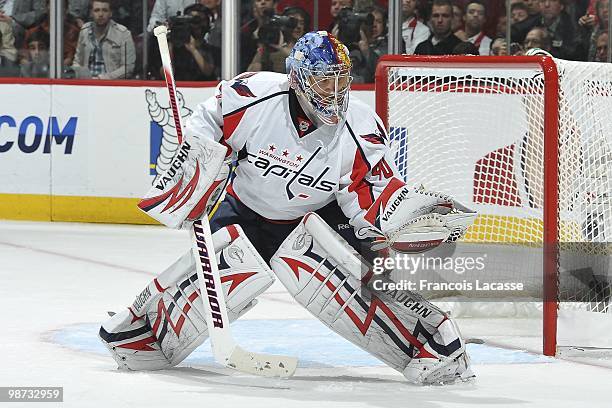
{"x":319,"y":69}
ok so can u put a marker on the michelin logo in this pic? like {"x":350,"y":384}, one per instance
{"x":164,"y":142}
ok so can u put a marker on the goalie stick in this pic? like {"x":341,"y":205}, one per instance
{"x":224,"y":347}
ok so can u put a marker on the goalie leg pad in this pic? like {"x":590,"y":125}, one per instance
{"x":323,"y":275}
{"x":166,"y":321}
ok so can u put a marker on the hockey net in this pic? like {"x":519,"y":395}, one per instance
{"x":527,"y":142}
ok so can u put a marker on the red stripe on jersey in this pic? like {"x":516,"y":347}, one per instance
{"x":230,"y":191}
{"x":393,"y":185}
{"x":231,"y":122}
{"x":233,"y":231}
{"x":359,"y":184}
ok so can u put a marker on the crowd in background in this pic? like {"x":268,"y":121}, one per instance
{"x":105,"y":38}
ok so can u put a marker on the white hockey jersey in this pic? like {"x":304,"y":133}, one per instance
{"x":287,"y":166}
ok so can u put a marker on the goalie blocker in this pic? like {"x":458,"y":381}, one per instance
{"x":193,"y":184}
{"x":324,"y":274}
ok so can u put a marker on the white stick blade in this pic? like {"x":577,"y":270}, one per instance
{"x":265,"y":365}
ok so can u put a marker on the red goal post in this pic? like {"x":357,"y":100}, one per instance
{"x":527,"y":90}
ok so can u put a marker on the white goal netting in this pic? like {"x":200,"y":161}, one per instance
{"x":476,"y":130}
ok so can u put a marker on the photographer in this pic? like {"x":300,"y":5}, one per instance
{"x":276,"y":39}
{"x":249,"y":32}
{"x":350,"y":31}
{"x":194,"y":59}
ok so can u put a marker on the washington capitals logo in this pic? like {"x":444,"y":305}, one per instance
{"x":282,"y":166}
{"x":241,"y":89}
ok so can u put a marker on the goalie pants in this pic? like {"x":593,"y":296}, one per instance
{"x":267,"y":235}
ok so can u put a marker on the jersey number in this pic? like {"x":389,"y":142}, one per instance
{"x":382,"y":170}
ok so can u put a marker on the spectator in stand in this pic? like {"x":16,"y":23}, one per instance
{"x":520,"y":29}
{"x":79,"y":10}
{"x":271,"y":57}
{"x":164,"y":9}
{"x":334,"y":9}
{"x":537,"y":37}
{"x":214,"y":35}
{"x":561,"y":29}
{"x":442,"y":41}
{"x":21,"y":14}
{"x":370,"y":47}
{"x":379,"y":38}
{"x":71,"y":32}
{"x":193,"y":58}
{"x":302,"y":20}
{"x":533,"y":7}
{"x":475,"y":18}
{"x":8,"y":52}
{"x":499,"y":46}
{"x":457,"y":23}
{"x":36,"y":63}
{"x":261,"y":10}
{"x":590,"y":27}
{"x":601,"y":47}
{"x":519,"y":12}
{"x":105,"y":49}
{"x":414,"y":31}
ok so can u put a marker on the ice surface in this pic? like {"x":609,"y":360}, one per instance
{"x":58,"y":281}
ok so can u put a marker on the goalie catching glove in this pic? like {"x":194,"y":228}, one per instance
{"x":416,"y":220}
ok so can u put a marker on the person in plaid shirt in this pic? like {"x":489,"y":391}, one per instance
{"x":105,"y":48}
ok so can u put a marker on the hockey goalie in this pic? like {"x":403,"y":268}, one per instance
{"x":314,"y":194}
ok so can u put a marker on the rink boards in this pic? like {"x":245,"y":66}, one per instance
{"x":86,"y":153}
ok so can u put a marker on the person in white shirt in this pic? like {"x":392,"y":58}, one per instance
{"x":475,"y":18}
{"x":413,"y":30}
